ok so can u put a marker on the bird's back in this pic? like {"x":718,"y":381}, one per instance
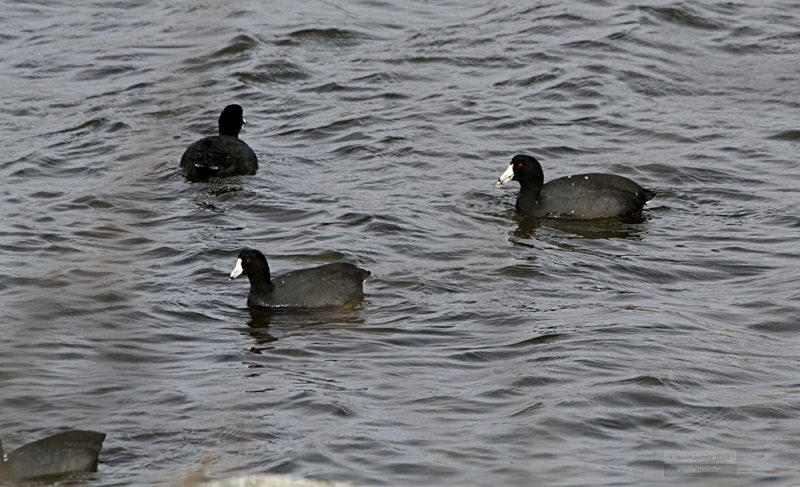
{"x":70,"y":451}
{"x":219,"y":155}
{"x":590,"y":196}
{"x":328,"y":285}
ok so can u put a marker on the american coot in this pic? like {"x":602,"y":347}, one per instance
{"x":318,"y":287}
{"x":59,"y":454}
{"x":223,"y":154}
{"x":581,"y":197}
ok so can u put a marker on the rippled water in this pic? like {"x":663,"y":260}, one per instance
{"x":491,"y":349}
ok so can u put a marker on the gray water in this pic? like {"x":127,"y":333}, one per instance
{"x":490,"y":349}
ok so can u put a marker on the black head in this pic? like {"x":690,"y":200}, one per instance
{"x":526,"y":168}
{"x":231,"y":120}
{"x":250,"y":262}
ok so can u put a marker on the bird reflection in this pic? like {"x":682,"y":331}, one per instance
{"x":628,"y":227}
{"x":257,"y":329}
{"x":261,"y":319}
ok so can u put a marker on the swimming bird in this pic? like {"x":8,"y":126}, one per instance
{"x":224,"y":154}
{"x":328,"y":285}
{"x":581,"y":197}
{"x":59,"y":454}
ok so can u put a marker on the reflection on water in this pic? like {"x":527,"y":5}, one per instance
{"x":258,"y":327}
{"x":629,"y":227}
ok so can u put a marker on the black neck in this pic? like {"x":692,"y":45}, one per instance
{"x":230,"y":133}
{"x":529,"y":192}
{"x":261,"y":284}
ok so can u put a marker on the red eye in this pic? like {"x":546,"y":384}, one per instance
{"x":519,"y":165}
{"x":247,"y":261}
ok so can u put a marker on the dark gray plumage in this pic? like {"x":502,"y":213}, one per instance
{"x":328,"y":285}
{"x":224,"y":154}
{"x":59,"y":454}
{"x":581,"y":197}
